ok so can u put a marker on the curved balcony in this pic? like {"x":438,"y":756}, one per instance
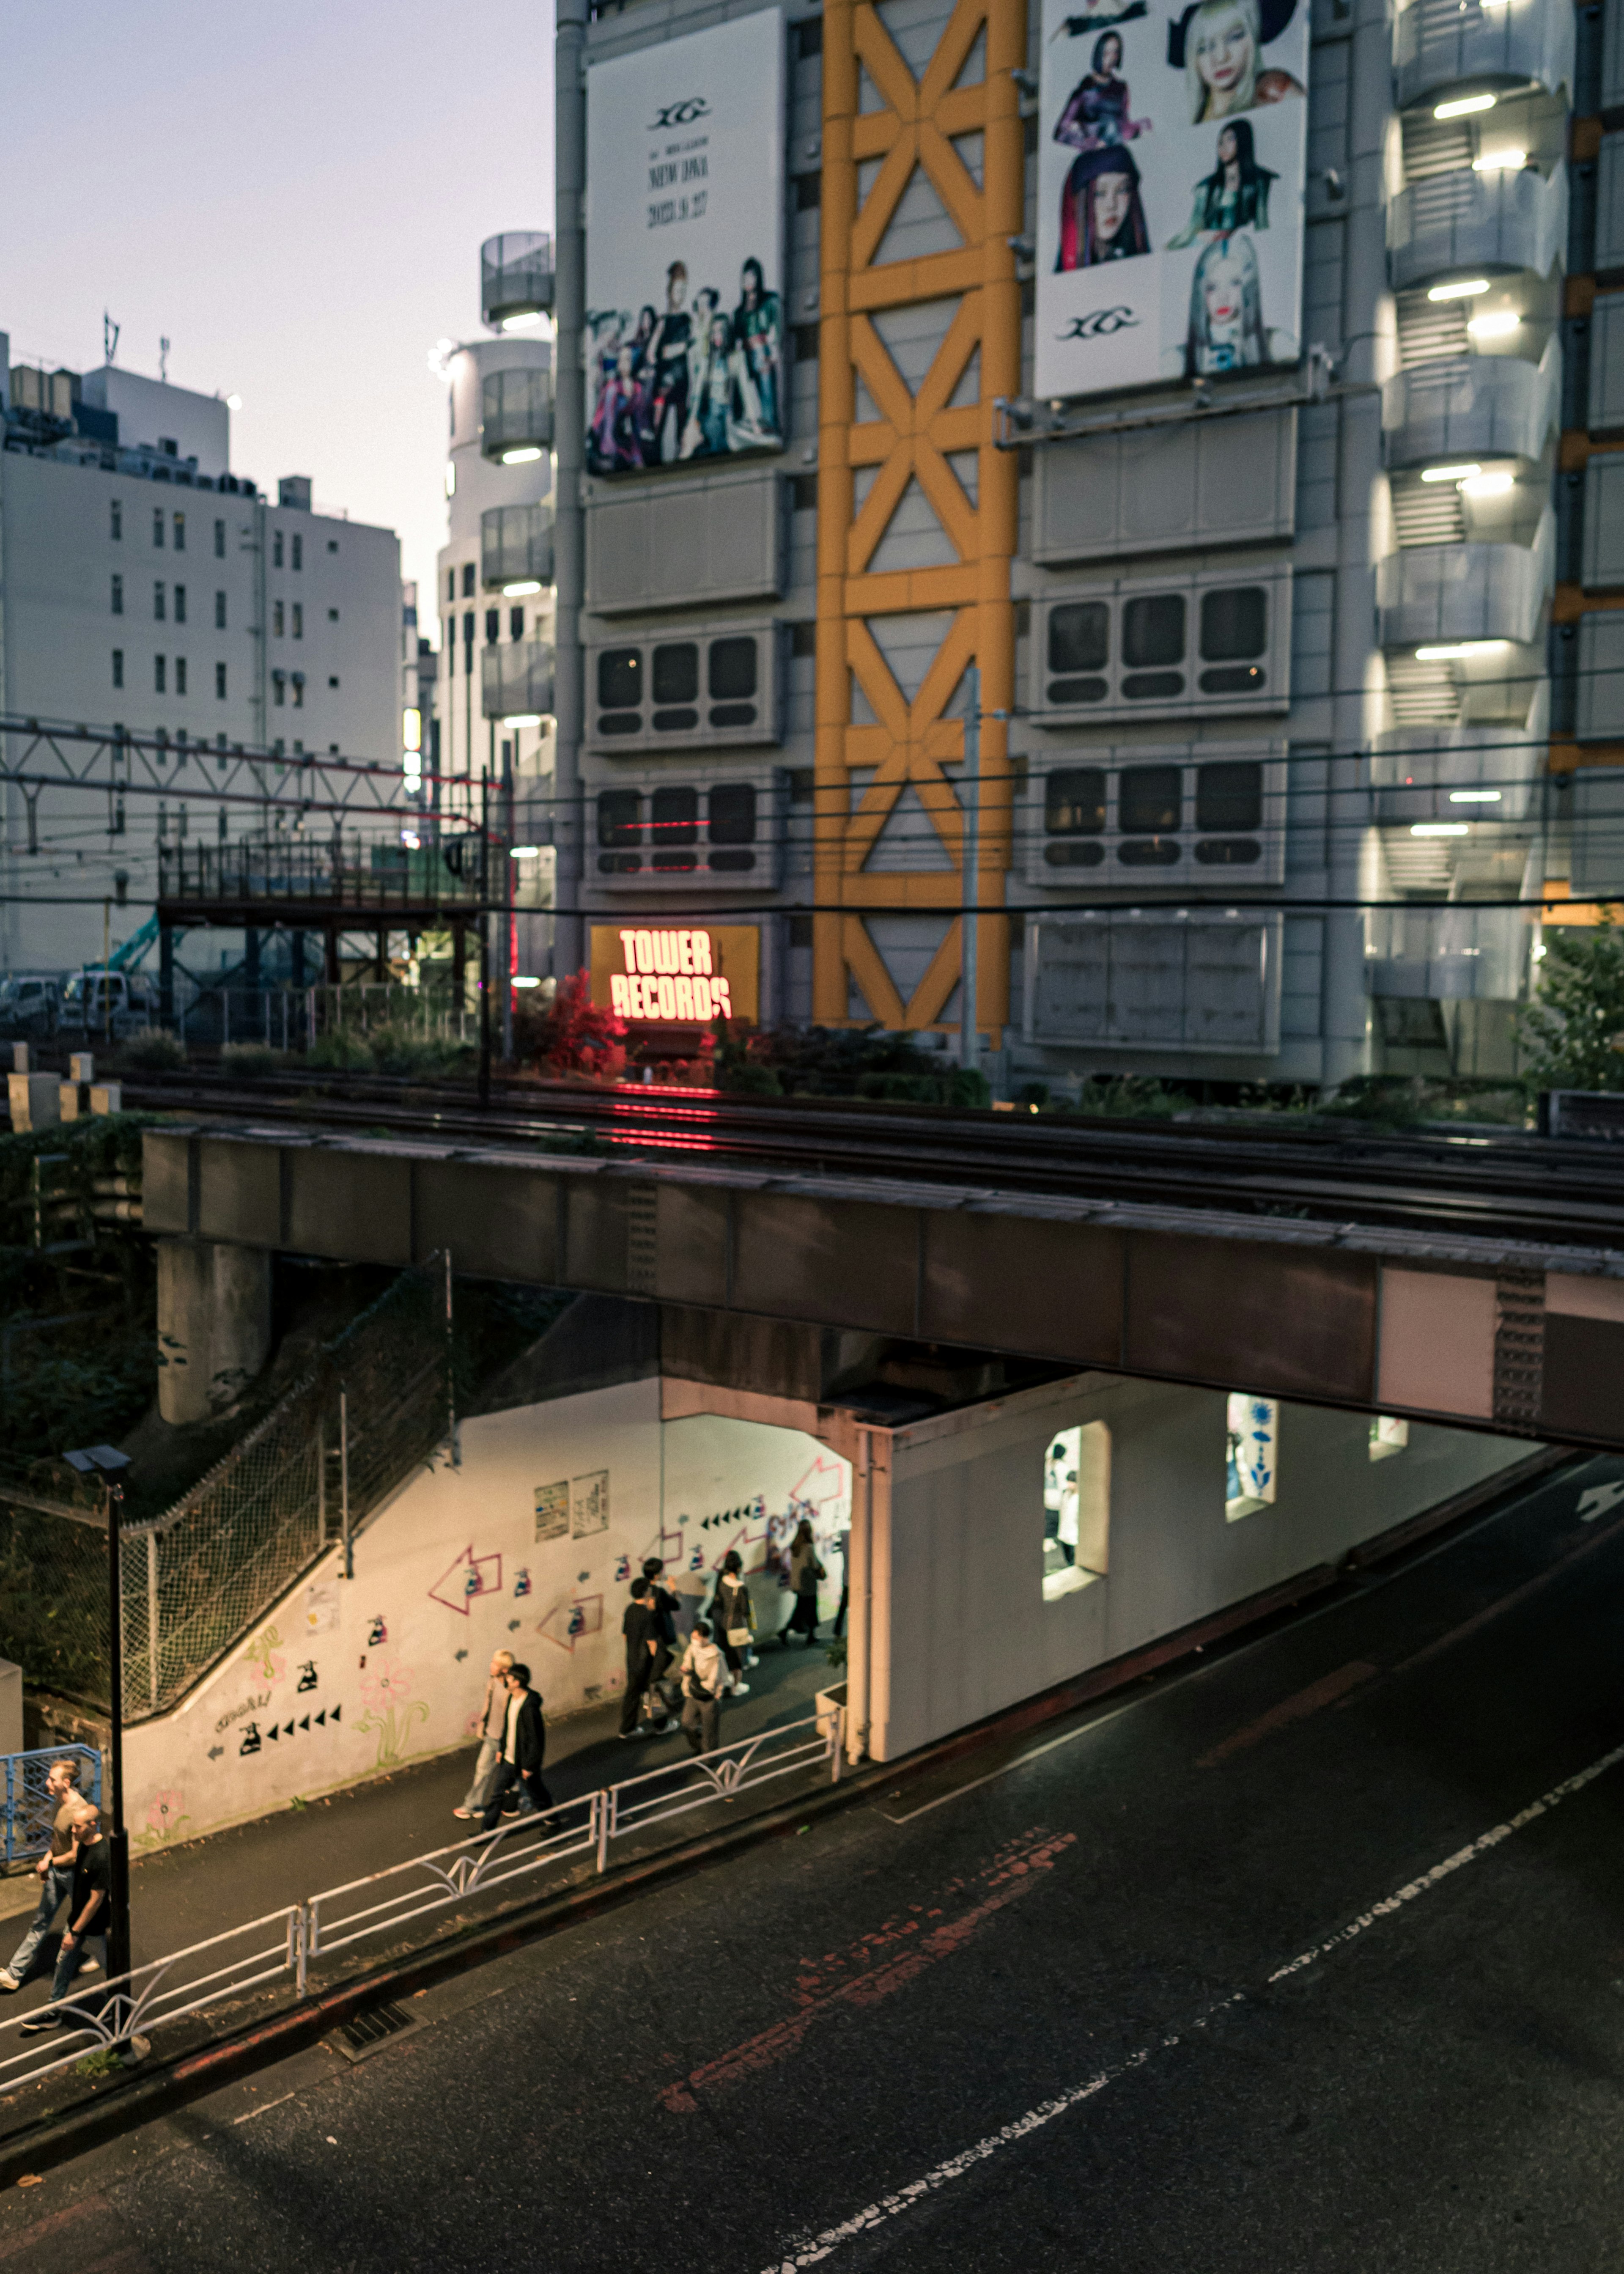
{"x":515,"y":544}
{"x":1459,"y":773}
{"x":515,"y":680}
{"x":1451,"y":954}
{"x":1438,"y":595}
{"x":1467,"y":223}
{"x":515,"y":412}
{"x":516,"y":279}
{"x":1477,"y":407}
{"x":1438,"y":44}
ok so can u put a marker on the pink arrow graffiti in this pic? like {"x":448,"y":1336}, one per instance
{"x":470,"y":1576}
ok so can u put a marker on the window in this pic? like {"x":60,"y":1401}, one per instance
{"x":220,"y":684}
{"x":298,"y":620}
{"x":158,"y":526}
{"x":1387,"y":1436}
{"x":1150,"y":799}
{"x":1222,"y":813}
{"x":278,"y":619}
{"x":492,"y":625}
{"x":451,"y":584}
{"x":1153,"y":636}
{"x":676,"y":686}
{"x":118,"y":596}
{"x":701,"y":688}
{"x":334,"y":681}
{"x":730,"y":679}
{"x":332,"y":615}
{"x":180,"y":545}
{"x":1251,"y":1454}
{"x":515,"y":623}
{"x":220,"y":540}
{"x":118,"y":667}
{"x":468,"y":630}
{"x":468,"y":579}
{"x":276,"y":549}
{"x":299,"y":690}
{"x":731,"y":823}
{"x":159,"y":675}
{"x":298,"y":551}
{"x":279,"y":688}
{"x":180,"y":603}
{"x":180,"y":674}
{"x":675,"y":829}
{"x":1078,"y":647}
{"x":159,"y":604}
{"x":115,"y":518}
{"x":220,"y":612}
{"x":619,"y":825}
{"x":1077,"y":1507}
{"x":1074,"y":808}
{"x":620,"y":687}
{"x":1183,"y":647}
{"x":332,"y":544}
{"x":1234,"y":630}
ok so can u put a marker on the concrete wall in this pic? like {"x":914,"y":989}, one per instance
{"x":961,"y":1626}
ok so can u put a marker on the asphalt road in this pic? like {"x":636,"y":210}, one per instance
{"x":1275,"y":1964}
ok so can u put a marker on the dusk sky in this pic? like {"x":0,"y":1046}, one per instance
{"x":295,"y":197}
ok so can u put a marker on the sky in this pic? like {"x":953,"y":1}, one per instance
{"x":295,"y":198}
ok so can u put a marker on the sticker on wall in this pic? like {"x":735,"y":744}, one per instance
{"x":377,"y":1630}
{"x":590,"y":1510}
{"x":470,"y":1576}
{"x":320,"y":1613}
{"x":552,"y":1511}
{"x":623,"y":1567}
{"x":576,"y":1620}
{"x":522,"y":1582}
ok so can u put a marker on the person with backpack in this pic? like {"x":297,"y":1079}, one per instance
{"x":805,"y":1571}
{"x":703,"y":1673}
{"x":732,"y":1619}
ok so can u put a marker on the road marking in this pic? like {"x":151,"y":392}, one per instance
{"x":1067,"y":1738}
{"x":248,"y":2114}
{"x":1297,"y":1708}
{"x":1596,"y":1500}
{"x":815,"y":2249}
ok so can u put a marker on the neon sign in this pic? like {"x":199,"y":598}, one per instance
{"x":669,"y":975}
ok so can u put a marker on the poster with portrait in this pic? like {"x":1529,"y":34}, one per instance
{"x":685,"y":249}
{"x":1171,"y":155}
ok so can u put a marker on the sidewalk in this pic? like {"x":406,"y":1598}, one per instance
{"x":183,"y":1895}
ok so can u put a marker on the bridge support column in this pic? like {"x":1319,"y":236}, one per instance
{"x":213,"y":1326}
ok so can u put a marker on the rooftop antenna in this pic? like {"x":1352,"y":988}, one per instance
{"x":110,"y":338}
{"x":163,"y":363}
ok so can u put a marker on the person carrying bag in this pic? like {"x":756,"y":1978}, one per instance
{"x":705,"y":1675}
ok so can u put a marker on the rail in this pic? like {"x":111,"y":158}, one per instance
{"x":109,"y":2021}
{"x":30,"y":1808}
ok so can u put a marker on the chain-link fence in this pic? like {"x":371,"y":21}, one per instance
{"x":194,"y":1581}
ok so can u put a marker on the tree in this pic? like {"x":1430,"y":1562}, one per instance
{"x":574,"y":1036}
{"x":1570,"y":1031}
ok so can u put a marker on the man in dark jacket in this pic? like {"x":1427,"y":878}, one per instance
{"x":641,"y":1627}
{"x":524,"y":1749}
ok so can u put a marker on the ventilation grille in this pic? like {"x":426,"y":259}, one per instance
{"x":1430,"y":331}
{"x":1434,"y":146}
{"x":1519,"y":1347}
{"x":365,"y":2032}
{"x":1428,"y":513}
{"x":1422,"y":694}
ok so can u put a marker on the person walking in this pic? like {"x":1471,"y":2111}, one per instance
{"x":665,"y":1607}
{"x":805,"y":1571}
{"x":640,"y":1628}
{"x":704,"y":1672}
{"x":54,"y":1868}
{"x":524,"y":1750}
{"x":492,"y":1718}
{"x":89,"y":1909}
{"x":732,"y":1619}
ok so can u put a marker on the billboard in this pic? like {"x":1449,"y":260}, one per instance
{"x":685,"y":249}
{"x":1172,"y":149}
{"x":681,"y":973}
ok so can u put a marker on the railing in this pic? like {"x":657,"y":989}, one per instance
{"x":337,"y":873}
{"x":111,"y":2018}
{"x":30,"y":1808}
{"x":1471,"y":222}
{"x":515,"y":275}
{"x":1440,"y":43}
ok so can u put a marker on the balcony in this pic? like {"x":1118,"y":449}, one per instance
{"x":1466,"y":224}
{"x":1476,"y":407}
{"x":516,"y":414}
{"x":1450,"y":954}
{"x":515,"y":544}
{"x":1437,"y":44}
{"x":516,"y":279}
{"x":1453,"y":774}
{"x":515,"y":680}
{"x":1433,"y":594}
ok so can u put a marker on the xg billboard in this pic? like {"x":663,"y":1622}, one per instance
{"x":684,"y":248}
{"x":1172,"y":152}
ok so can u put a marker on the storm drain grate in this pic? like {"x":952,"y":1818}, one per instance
{"x":367,"y":2031}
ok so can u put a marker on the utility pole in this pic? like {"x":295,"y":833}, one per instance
{"x":970,"y":789}
{"x":485,"y":939}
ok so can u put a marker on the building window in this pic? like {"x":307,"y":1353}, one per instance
{"x":180,"y":603}
{"x":515,"y":623}
{"x":1387,"y":1436}
{"x":180,"y":674}
{"x":118,"y":596}
{"x":1251,"y":1465}
{"x":158,"y":526}
{"x":468,"y":580}
{"x":332,"y":682}
{"x":220,"y":687}
{"x":298,"y":620}
{"x":276,"y":549}
{"x":1077,"y":1507}
{"x":492,"y":625}
{"x":180,"y":546}
{"x":332,"y":615}
{"x":118,"y":667}
{"x":468,"y":629}
{"x":159,"y":675}
{"x":220,"y":540}
{"x":220,"y":612}
{"x":279,"y":688}
{"x":299,"y":690}
{"x":159,"y":603}
{"x":299,"y":552}
{"x":451,"y":584}
{"x":332,"y":544}
{"x":277,"y":618}
{"x":116,"y":514}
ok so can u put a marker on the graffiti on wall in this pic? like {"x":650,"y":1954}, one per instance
{"x":390,"y":1710}
{"x":573,"y":1621}
{"x":468,"y":1576}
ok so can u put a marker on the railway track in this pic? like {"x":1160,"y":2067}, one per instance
{"x":1505,"y":1184}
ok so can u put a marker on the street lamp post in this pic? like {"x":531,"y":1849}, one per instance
{"x":108,"y":1463}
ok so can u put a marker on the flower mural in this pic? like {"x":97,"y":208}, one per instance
{"x":390,"y":1709}
{"x":165,"y":1816}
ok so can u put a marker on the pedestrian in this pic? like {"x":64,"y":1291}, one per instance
{"x":492,"y":1717}
{"x":640,"y":1628}
{"x":844,"y":1544}
{"x":524,"y":1750}
{"x":805,"y":1571}
{"x":732,"y":1619}
{"x":89,"y":1910}
{"x":54,"y":1868}
{"x":666,"y":1609}
{"x":704,"y":1675}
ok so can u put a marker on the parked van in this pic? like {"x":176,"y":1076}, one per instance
{"x":110,"y":1003}
{"x":30,"y":1006}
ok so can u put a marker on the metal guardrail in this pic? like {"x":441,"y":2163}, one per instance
{"x":112,"y":2018}
{"x":30,"y":1809}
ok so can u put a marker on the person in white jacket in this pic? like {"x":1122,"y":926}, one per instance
{"x":704,"y":1675}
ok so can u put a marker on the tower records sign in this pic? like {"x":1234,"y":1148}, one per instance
{"x":1172,"y":148}
{"x":684,"y":249}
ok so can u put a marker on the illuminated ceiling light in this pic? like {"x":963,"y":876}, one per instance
{"x":1459,"y":648}
{"x":450,"y":479}
{"x":533,"y":584}
{"x":524,"y":852}
{"x":528,"y":455}
{"x":1500,"y":162}
{"x":1450,"y":473}
{"x":1487,"y":485}
{"x":411,"y":729}
{"x":1463,"y":290}
{"x":526,"y":979}
{"x":524,"y":719}
{"x":527,"y":320}
{"x":1463,"y":106}
{"x":1474,"y":797}
{"x":1440,"y":829}
{"x":1497,"y":326}
{"x":234,"y":402}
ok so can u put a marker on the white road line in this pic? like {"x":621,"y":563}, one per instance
{"x":248,"y":2114}
{"x":1067,"y":1737}
{"x":812,"y":2252}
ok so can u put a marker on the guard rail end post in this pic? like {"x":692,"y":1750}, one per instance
{"x":606,"y":1809}
{"x":298,"y":1945}
{"x":839,"y":1745}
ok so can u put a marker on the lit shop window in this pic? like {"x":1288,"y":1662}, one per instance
{"x":1387,"y":1436}
{"x":1251,"y":1462}
{"x":1077,"y":1507}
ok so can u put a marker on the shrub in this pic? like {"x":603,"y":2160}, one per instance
{"x":154,"y":1050}
{"x":248,"y":1061}
{"x":574,"y":1036}
{"x":339,"y":1050}
{"x":1572,"y":1029}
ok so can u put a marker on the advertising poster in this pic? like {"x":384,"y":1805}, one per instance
{"x":1172,"y":148}
{"x":685,"y":249}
